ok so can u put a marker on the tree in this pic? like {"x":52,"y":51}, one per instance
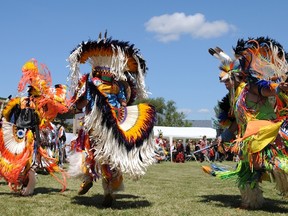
{"x":167,"y":114}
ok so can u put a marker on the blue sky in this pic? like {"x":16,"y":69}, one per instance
{"x":173,"y":37}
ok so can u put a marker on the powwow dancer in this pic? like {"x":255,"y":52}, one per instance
{"x":23,"y":118}
{"x":116,"y":137}
{"x":256,"y":111}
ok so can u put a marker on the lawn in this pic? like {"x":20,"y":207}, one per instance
{"x":167,"y":189}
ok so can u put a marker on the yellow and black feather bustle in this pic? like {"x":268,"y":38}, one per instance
{"x":8,"y":109}
{"x":124,"y":138}
{"x":131,"y":129}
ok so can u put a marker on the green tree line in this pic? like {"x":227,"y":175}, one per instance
{"x":167,"y":114}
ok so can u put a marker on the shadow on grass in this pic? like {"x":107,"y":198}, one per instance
{"x":234,"y":201}
{"x":44,"y":190}
{"x":122,"y":201}
{"x":37,"y":190}
{"x":3,"y":183}
{"x":6,"y":193}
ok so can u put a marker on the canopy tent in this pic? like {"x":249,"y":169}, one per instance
{"x":185,"y":132}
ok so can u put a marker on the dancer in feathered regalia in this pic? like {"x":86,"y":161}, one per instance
{"x":23,"y":118}
{"x":117,"y":137}
{"x":255,"y":113}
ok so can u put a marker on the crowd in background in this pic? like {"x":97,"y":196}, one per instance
{"x":182,"y":150}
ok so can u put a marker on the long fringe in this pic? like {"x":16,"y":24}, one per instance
{"x":281,"y":180}
{"x":76,"y":163}
{"x":51,"y":166}
{"x":108,"y":150}
{"x":252,"y":198}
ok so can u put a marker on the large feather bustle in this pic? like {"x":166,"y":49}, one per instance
{"x":12,"y":164}
{"x":131,"y":152}
{"x":11,"y":104}
{"x":262,"y":58}
{"x":225,"y":116}
{"x":144,"y":114}
{"x":243,"y":45}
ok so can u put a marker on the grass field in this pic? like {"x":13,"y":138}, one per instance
{"x":167,"y":189}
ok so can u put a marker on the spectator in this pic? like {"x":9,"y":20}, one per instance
{"x":188,"y":148}
{"x":180,"y":152}
{"x":203,"y":145}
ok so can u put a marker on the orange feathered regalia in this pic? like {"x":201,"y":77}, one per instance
{"x":23,"y":118}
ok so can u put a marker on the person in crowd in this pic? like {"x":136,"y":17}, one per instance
{"x":180,"y":154}
{"x":199,"y":155}
{"x":203,"y":144}
{"x":188,"y":148}
{"x":173,"y":150}
{"x":211,"y":150}
{"x":188,"y":155}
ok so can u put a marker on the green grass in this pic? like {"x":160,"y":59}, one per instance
{"x":166,"y":189}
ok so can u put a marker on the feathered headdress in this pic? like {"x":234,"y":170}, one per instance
{"x":119,"y":58}
{"x":230,"y":70}
{"x":229,"y":67}
{"x":38,"y":78}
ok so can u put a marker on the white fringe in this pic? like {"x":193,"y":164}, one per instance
{"x":140,"y":80}
{"x":74,"y":75}
{"x":252,"y":198}
{"x":280,"y":178}
{"x":108,"y":150}
{"x":76,"y":162}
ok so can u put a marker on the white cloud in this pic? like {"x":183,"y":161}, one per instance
{"x":169,"y":27}
{"x":188,"y":111}
{"x":203,"y":110}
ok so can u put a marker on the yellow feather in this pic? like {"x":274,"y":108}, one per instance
{"x":9,"y":106}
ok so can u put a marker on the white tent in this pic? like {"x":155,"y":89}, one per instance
{"x":185,"y":132}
